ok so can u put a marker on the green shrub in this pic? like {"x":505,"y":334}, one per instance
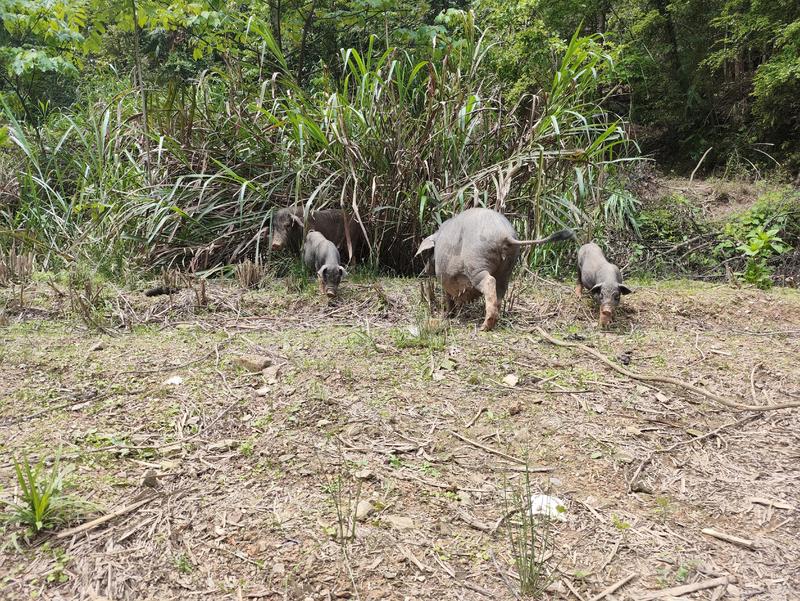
{"x":760,"y":235}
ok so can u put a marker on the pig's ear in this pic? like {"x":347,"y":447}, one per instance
{"x":321,"y":271}
{"x":342,"y":271}
{"x":623,"y":289}
{"x":596,"y":288}
{"x":427,"y":244}
{"x":297,"y":220}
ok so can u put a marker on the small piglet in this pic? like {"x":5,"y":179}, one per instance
{"x":602,"y":278}
{"x":321,"y":255}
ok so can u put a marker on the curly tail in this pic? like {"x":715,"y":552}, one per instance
{"x":559,"y":236}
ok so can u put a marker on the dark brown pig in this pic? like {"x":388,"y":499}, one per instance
{"x":601,"y":278}
{"x":287,"y":229}
{"x":474,"y":253}
{"x":321,"y":255}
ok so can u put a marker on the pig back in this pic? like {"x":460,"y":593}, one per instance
{"x":474,"y":242}
{"x":329,"y":223}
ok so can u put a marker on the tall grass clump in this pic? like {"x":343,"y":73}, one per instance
{"x":401,"y":139}
{"x":42,"y":502}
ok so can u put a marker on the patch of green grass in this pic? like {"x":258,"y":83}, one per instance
{"x":183,"y":565}
{"x":247,"y":447}
{"x":619,"y":523}
{"x":395,"y":461}
{"x":43,"y":502}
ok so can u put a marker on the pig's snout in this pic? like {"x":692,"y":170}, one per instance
{"x":330,"y":292}
{"x":606,"y":315}
{"x":276,"y":245}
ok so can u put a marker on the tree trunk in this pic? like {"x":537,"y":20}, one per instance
{"x":142,"y":91}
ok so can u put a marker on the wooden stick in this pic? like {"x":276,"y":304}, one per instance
{"x":572,"y":589}
{"x":771,"y":503}
{"x":700,"y":162}
{"x":730,"y":538}
{"x":617,"y":585}
{"x":677,"y":591}
{"x":477,"y":415}
{"x":666,"y":380}
{"x":487,"y":449}
{"x":103,"y":519}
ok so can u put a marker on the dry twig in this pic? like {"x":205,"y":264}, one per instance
{"x":664,"y":379}
{"x":487,"y":449}
{"x":730,"y":538}
{"x":103,"y":519}
{"x":617,"y":585}
{"x":677,"y":591}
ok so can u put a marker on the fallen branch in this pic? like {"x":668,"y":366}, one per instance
{"x":477,"y":415}
{"x":617,"y":585}
{"x":487,"y":449}
{"x":649,"y":458}
{"x":771,"y":503}
{"x":103,"y":519}
{"x":677,"y":591}
{"x":665,"y":379}
{"x":730,"y":538}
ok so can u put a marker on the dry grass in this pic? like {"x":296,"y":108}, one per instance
{"x":241,"y":463}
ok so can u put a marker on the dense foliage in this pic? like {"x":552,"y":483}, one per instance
{"x":167,"y":132}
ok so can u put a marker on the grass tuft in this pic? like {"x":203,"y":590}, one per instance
{"x":42,"y":502}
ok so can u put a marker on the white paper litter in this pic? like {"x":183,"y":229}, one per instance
{"x":552,"y":507}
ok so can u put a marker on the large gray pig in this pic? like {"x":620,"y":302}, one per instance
{"x":602,"y":278}
{"x":474,"y":253}
{"x":287,"y":229}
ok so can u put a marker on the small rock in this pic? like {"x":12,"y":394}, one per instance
{"x":252,"y":363}
{"x":464,"y":497}
{"x":624,"y":458}
{"x":170,"y":451}
{"x":173,"y":381}
{"x":399,"y":522}
{"x":150,"y":479}
{"x":437,"y":376}
{"x":515,"y":409}
{"x":271,"y":374}
{"x":224,"y":445}
{"x":661,"y":397}
{"x":97,"y":346}
{"x":364,"y":474}
{"x":278,"y":569}
{"x":511,"y":380}
{"x":448,"y":364}
{"x":263,"y":391}
{"x":364,"y":509}
{"x":599,"y":409}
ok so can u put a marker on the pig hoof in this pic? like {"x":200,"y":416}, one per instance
{"x":489,"y":324}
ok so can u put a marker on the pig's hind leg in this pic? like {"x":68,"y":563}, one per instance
{"x":488,"y":287}
{"x":579,"y":286}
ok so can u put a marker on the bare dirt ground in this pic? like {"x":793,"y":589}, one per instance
{"x":230,"y":478}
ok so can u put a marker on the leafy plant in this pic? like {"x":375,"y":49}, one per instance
{"x":531,"y":539}
{"x":755,"y":237}
{"x":42,"y":502}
